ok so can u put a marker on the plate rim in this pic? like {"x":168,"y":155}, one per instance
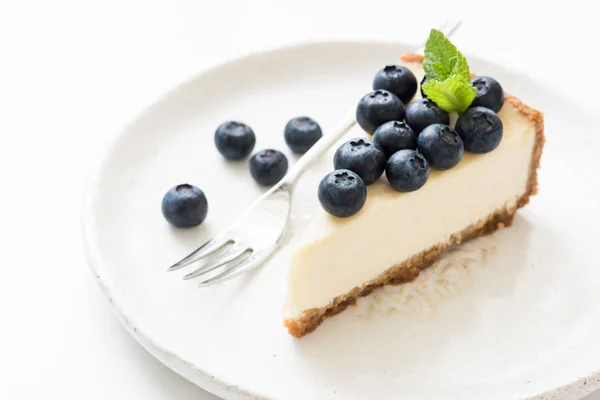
{"x":173,"y":361}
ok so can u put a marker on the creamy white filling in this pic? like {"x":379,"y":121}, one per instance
{"x":336,"y":255}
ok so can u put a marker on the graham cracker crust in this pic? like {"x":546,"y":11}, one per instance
{"x":408,"y":270}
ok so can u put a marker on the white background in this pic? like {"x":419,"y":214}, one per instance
{"x":73,"y":72}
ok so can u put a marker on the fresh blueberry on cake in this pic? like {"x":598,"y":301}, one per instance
{"x":377,"y":108}
{"x":398,"y":80}
{"x":433,"y":198}
{"x":363,"y":157}
{"x":393,"y":136}
{"x":407,"y":170}
{"x":424,"y":112}
{"x":441,"y":146}
{"x":489,"y":93}
{"x":342,"y":193}
{"x":480,"y":129}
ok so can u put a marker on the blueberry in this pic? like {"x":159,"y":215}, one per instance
{"x":480,"y":129}
{"x":185,"y":206}
{"x":362,"y":156}
{"x":424,"y":112}
{"x":423,"y":81}
{"x":234,"y":140}
{"x":407,"y":170}
{"x":398,"y":80}
{"x":301,"y":133}
{"x":393,"y":136}
{"x":377,"y":108}
{"x":441,"y":146}
{"x":489,"y":93}
{"x":342,"y":193}
{"x":267,"y":167}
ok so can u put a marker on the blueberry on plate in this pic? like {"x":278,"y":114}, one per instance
{"x":424,"y":112}
{"x":377,"y":108}
{"x":393,"y":136}
{"x":267,"y":167}
{"x":441,"y":145}
{"x":407,"y":170}
{"x":363,"y":157}
{"x":489,"y":93}
{"x":342,"y":193}
{"x":398,"y":80}
{"x":301,"y":133}
{"x":480,"y":129}
{"x":185,"y":206}
{"x":423,"y":81}
{"x":234,"y":140}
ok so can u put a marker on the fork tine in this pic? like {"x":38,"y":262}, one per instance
{"x":232,"y":270}
{"x":226,"y":258}
{"x":204,"y":250}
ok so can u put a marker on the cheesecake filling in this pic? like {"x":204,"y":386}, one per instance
{"x":335,"y":255}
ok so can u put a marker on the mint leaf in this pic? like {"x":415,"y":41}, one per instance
{"x":447,"y":69}
{"x":453,"y":95}
{"x":440,"y":56}
{"x":462,"y":67}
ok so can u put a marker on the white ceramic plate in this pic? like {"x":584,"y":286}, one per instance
{"x":526,"y":325}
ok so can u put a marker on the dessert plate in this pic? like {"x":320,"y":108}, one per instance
{"x":512,"y":315}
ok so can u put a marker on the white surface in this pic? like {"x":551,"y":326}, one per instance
{"x":523,"y":328}
{"x":72,"y":73}
{"x":526,"y":326}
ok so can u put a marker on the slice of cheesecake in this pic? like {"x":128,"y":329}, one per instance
{"x":396,"y":235}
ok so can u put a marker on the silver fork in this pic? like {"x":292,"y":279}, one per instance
{"x":254,"y":236}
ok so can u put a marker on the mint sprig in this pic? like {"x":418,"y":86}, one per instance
{"x":449,"y":80}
